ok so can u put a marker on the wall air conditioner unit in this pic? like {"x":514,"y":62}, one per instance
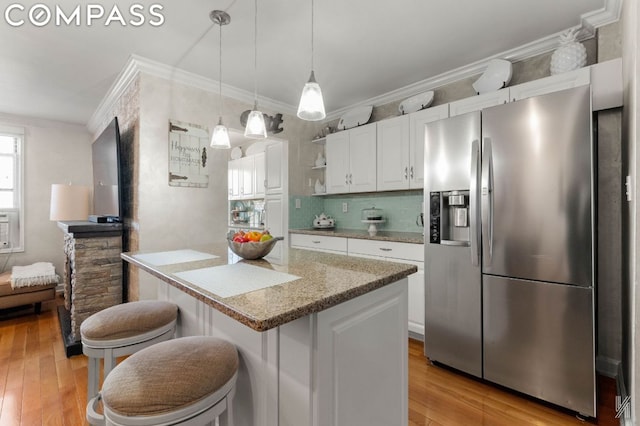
{"x":4,"y":231}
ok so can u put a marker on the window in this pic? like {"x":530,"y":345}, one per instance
{"x":11,"y":189}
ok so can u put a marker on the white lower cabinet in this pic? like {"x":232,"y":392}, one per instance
{"x":383,"y":250}
{"x":336,"y":245}
{"x":403,"y":253}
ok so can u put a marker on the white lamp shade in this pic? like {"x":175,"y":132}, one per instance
{"x":69,"y":202}
{"x":256,"y":128}
{"x":311,"y":107}
{"x":220,"y":137}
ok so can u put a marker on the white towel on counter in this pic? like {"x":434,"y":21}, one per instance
{"x":39,"y":273}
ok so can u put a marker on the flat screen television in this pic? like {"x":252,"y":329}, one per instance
{"x":107,"y":182}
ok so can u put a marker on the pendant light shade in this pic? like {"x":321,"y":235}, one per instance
{"x":311,"y":107}
{"x":220,"y":135}
{"x":256,"y":127}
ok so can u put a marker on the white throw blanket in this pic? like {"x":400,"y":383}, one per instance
{"x":37,"y":274}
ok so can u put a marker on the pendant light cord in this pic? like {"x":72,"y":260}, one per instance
{"x":312,"y":35}
{"x":255,"y":57}
{"x":220,"y":74}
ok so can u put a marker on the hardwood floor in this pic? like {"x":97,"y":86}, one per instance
{"x":438,"y":396}
{"x":39,"y":385}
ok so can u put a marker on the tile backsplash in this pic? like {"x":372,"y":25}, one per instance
{"x":400,"y":210}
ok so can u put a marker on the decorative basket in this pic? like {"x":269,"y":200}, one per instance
{"x":253,"y":249}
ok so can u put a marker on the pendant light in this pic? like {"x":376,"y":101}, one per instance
{"x":220,"y":136}
{"x":311,"y":106}
{"x":255,"y":122}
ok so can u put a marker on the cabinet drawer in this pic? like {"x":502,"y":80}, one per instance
{"x":319,"y":242}
{"x":390,"y":249}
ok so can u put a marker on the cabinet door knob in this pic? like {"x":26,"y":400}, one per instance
{"x":385,"y":249}
{"x":411,"y":172}
{"x":406,"y":173}
{"x":315,"y":242}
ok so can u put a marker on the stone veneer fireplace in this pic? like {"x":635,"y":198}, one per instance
{"x":92,"y":275}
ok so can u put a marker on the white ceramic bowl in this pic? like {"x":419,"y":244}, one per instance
{"x":496,"y":76}
{"x":416,"y":103}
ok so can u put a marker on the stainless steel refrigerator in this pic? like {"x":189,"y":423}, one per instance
{"x":509,"y":256}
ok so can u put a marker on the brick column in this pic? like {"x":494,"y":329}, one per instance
{"x":93,"y":271}
{"x":96,"y":276}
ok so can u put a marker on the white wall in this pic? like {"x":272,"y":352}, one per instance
{"x":55,"y":152}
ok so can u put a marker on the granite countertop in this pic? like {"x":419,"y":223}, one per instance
{"x":325,"y":280}
{"x":401,"y":237}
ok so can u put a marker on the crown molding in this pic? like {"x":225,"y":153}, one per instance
{"x":589,"y":23}
{"x":137,"y":65}
{"x":126,"y":76}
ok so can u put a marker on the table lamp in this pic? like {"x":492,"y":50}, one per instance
{"x":69,"y":202}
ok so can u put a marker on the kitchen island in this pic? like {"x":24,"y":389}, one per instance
{"x":322,"y":338}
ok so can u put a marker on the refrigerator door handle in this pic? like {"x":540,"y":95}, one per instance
{"x":474,"y":191}
{"x":487,"y":202}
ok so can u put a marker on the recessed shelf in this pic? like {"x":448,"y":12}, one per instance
{"x":320,"y":141}
{"x":319,"y":167}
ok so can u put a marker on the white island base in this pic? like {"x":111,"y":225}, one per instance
{"x":343,"y":366}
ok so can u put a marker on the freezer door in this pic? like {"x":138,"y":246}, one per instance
{"x":538,"y":339}
{"x":537,"y":188}
{"x":453,"y":330}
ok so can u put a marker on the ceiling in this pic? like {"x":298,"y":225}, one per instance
{"x":363,"y":48}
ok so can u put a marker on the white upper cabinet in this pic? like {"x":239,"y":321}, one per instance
{"x":337,"y":155}
{"x":476,"y":103}
{"x":401,"y":148}
{"x":393,"y":153}
{"x":275,"y":168}
{"x":554,"y":83}
{"x":351,"y":160}
{"x":417,"y":122}
{"x":362,"y":158}
{"x":233,"y":176}
{"x":259,"y":174}
{"x":247,"y":178}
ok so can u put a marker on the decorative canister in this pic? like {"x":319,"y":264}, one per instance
{"x":571,"y":54}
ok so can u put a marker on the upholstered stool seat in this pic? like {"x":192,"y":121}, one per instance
{"x":123,"y":330}
{"x":186,"y":381}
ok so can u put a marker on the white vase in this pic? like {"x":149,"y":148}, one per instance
{"x":319,"y":187}
{"x":571,"y":54}
{"x":320,"y":160}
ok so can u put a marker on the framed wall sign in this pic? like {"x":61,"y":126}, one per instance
{"x":188,"y":145}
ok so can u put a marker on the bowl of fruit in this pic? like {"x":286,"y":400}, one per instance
{"x":252,"y":244}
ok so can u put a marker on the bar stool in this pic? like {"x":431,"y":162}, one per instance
{"x":187,"y":381}
{"x":123,"y":330}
